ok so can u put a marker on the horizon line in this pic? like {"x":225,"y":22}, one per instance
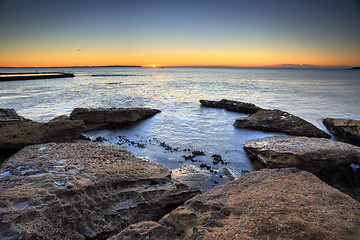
{"x":290,"y":66}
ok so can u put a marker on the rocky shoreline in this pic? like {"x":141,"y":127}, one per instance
{"x":56,"y":186}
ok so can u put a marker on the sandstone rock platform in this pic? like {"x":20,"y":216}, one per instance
{"x":329,"y":160}
{"x":82,"y":191}
{"x":310,"y":154}
{"x":268,"y":204}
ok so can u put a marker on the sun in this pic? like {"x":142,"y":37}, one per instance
{"x":153,"y":65}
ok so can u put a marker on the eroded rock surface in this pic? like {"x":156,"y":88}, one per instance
{"x":280,"y":121}
{"x":147,"y":230}
{"x":17,"y":132}
{"x":268,"y":204}
{"x":82,"y":190}
{"x":105,"y":117}
{"x":333,"y":162}
{"x":310,"y":154}
{"x":230,"y":105}
{"x":345,"y":129}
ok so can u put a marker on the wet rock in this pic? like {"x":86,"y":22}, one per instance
{"x":310,"y":154}
{"x":106,"y":117}
{"x":346,"y":129}
{"x":230,"y":105}
{"x":82,"y":191}
{"x":229,"y":174}
{"x":60,"y":118}
{"x":266,"y":204}
{"x":191,"y":176}
{"x":280,"y":121}
{"x":17,"y":132}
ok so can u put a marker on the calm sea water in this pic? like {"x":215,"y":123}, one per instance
{"x":183,"y":123}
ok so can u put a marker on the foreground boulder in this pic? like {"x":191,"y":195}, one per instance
{"x":280,"y":121}
{"x":310,"y":154}
{"x":105,"y":117}
{"x":346,"y":129}
{"x":17,"y":132}
{"x":336,"y":163}
{"x":266,"y":204}
{"x":82,"y":191}
{"x":233,"y":106}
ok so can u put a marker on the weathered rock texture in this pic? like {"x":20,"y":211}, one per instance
{"x":147,"y":230}
{"x":280,"y":121}
{"x":230,"y":105}
{"x":17,"y":132}
{"x":329,"y":160}
{"x":82,"y":191}
{"x":310,"y":154}
{"x":346,"y":129}
{"x":266,"y":204}
{"x":105,"y":117}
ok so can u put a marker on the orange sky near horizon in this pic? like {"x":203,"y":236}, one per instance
{"x":231,"y":33}
{"x":244,"y":58}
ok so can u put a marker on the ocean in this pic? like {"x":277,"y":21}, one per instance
{"x":183,"y":125}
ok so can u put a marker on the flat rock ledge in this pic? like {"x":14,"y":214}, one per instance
{"x":107,"y":117}
{"x":332,"y":161}
{"x":268,"y":204}
{"x":280,"y":121}
{"x":17,"y":132}
{"x":347,"y":130}
{"x":82,"y":191}
{"x":230,"y":105}
{"x":310,"y":154}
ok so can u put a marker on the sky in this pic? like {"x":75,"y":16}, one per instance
{"x":245,"y":33}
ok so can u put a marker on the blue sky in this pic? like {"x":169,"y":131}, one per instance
{"x":250,"y":33}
